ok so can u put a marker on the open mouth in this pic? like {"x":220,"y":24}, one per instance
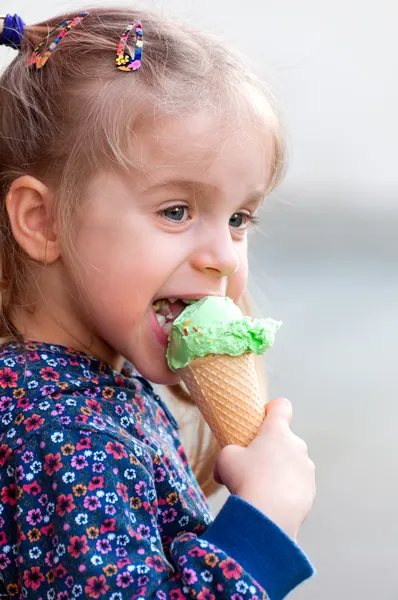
{"x":168,"y":309}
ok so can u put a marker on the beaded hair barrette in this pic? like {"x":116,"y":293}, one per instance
{"x":124,"y":60}
{"x":39,"y":57}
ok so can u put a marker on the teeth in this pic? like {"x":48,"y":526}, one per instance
{"x":159,"y":304}
{"x":161,"y":319}
{"x":167,"y":328}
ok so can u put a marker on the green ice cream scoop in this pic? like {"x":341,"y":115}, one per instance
{"x":215,"y":325}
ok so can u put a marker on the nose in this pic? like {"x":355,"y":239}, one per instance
{"x":217,"y":254}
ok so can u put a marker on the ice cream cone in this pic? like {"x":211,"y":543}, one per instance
{"x":226,"y":390}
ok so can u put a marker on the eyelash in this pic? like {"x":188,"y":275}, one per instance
{"x":251,"y":219}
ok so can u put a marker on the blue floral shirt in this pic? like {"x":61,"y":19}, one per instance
{"x":98,"y":500}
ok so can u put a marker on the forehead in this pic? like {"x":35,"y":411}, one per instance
{"x":203,"y":147}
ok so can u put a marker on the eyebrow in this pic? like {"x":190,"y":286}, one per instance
{"x":256,"y":198}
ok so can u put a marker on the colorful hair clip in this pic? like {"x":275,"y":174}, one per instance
{"x":124,"y":60}
{"x":38,"y":59}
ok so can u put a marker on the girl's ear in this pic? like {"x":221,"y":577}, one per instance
{"x":29,"y":206}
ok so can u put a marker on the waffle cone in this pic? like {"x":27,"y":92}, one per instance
{"x":226,"y":391}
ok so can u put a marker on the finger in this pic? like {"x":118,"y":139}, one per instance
{"x":216,"y":475}
{"x":300,"y":444}
{"x":279,"y":409}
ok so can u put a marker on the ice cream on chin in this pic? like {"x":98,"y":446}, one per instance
{"x":212,"y":347}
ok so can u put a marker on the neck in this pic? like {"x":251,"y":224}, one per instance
{"x":51,"y":312}
{"x":40,"y":327}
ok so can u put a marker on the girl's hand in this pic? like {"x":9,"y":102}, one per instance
{"x":274,"y":473}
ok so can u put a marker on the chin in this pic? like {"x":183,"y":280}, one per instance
{"x":151,"y":364}
{"x":165,"y":377}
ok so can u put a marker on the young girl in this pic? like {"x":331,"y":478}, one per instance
{"x":134,"y":154}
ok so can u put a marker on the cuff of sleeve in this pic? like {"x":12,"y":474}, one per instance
{"x":260,"y":547}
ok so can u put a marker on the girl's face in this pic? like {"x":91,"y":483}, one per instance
{"x":176,"y":228}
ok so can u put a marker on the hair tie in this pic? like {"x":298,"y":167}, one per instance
{"x":12,"y":33}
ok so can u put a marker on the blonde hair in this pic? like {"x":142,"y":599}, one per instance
{"x":79,"y":114}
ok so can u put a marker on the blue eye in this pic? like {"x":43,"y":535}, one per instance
{"x":175,"y":213}
{"x":241,"y":220}
{"x":237,"y":220}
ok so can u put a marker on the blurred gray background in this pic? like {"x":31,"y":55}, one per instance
{"x":325,"y":262}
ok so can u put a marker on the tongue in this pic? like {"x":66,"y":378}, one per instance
{"x":176,"y":308}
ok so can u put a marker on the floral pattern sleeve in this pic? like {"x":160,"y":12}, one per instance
{"x":87,"y":524}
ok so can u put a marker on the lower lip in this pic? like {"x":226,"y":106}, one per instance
{"x":158,"y":332}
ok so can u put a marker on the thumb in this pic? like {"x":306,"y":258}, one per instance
{"x":279,"y":409}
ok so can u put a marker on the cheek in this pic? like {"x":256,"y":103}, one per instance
{"x":237,"y":282}
{"x":105,"y":270}
{"x":108,"y":245}
{"x":115,"y":253}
